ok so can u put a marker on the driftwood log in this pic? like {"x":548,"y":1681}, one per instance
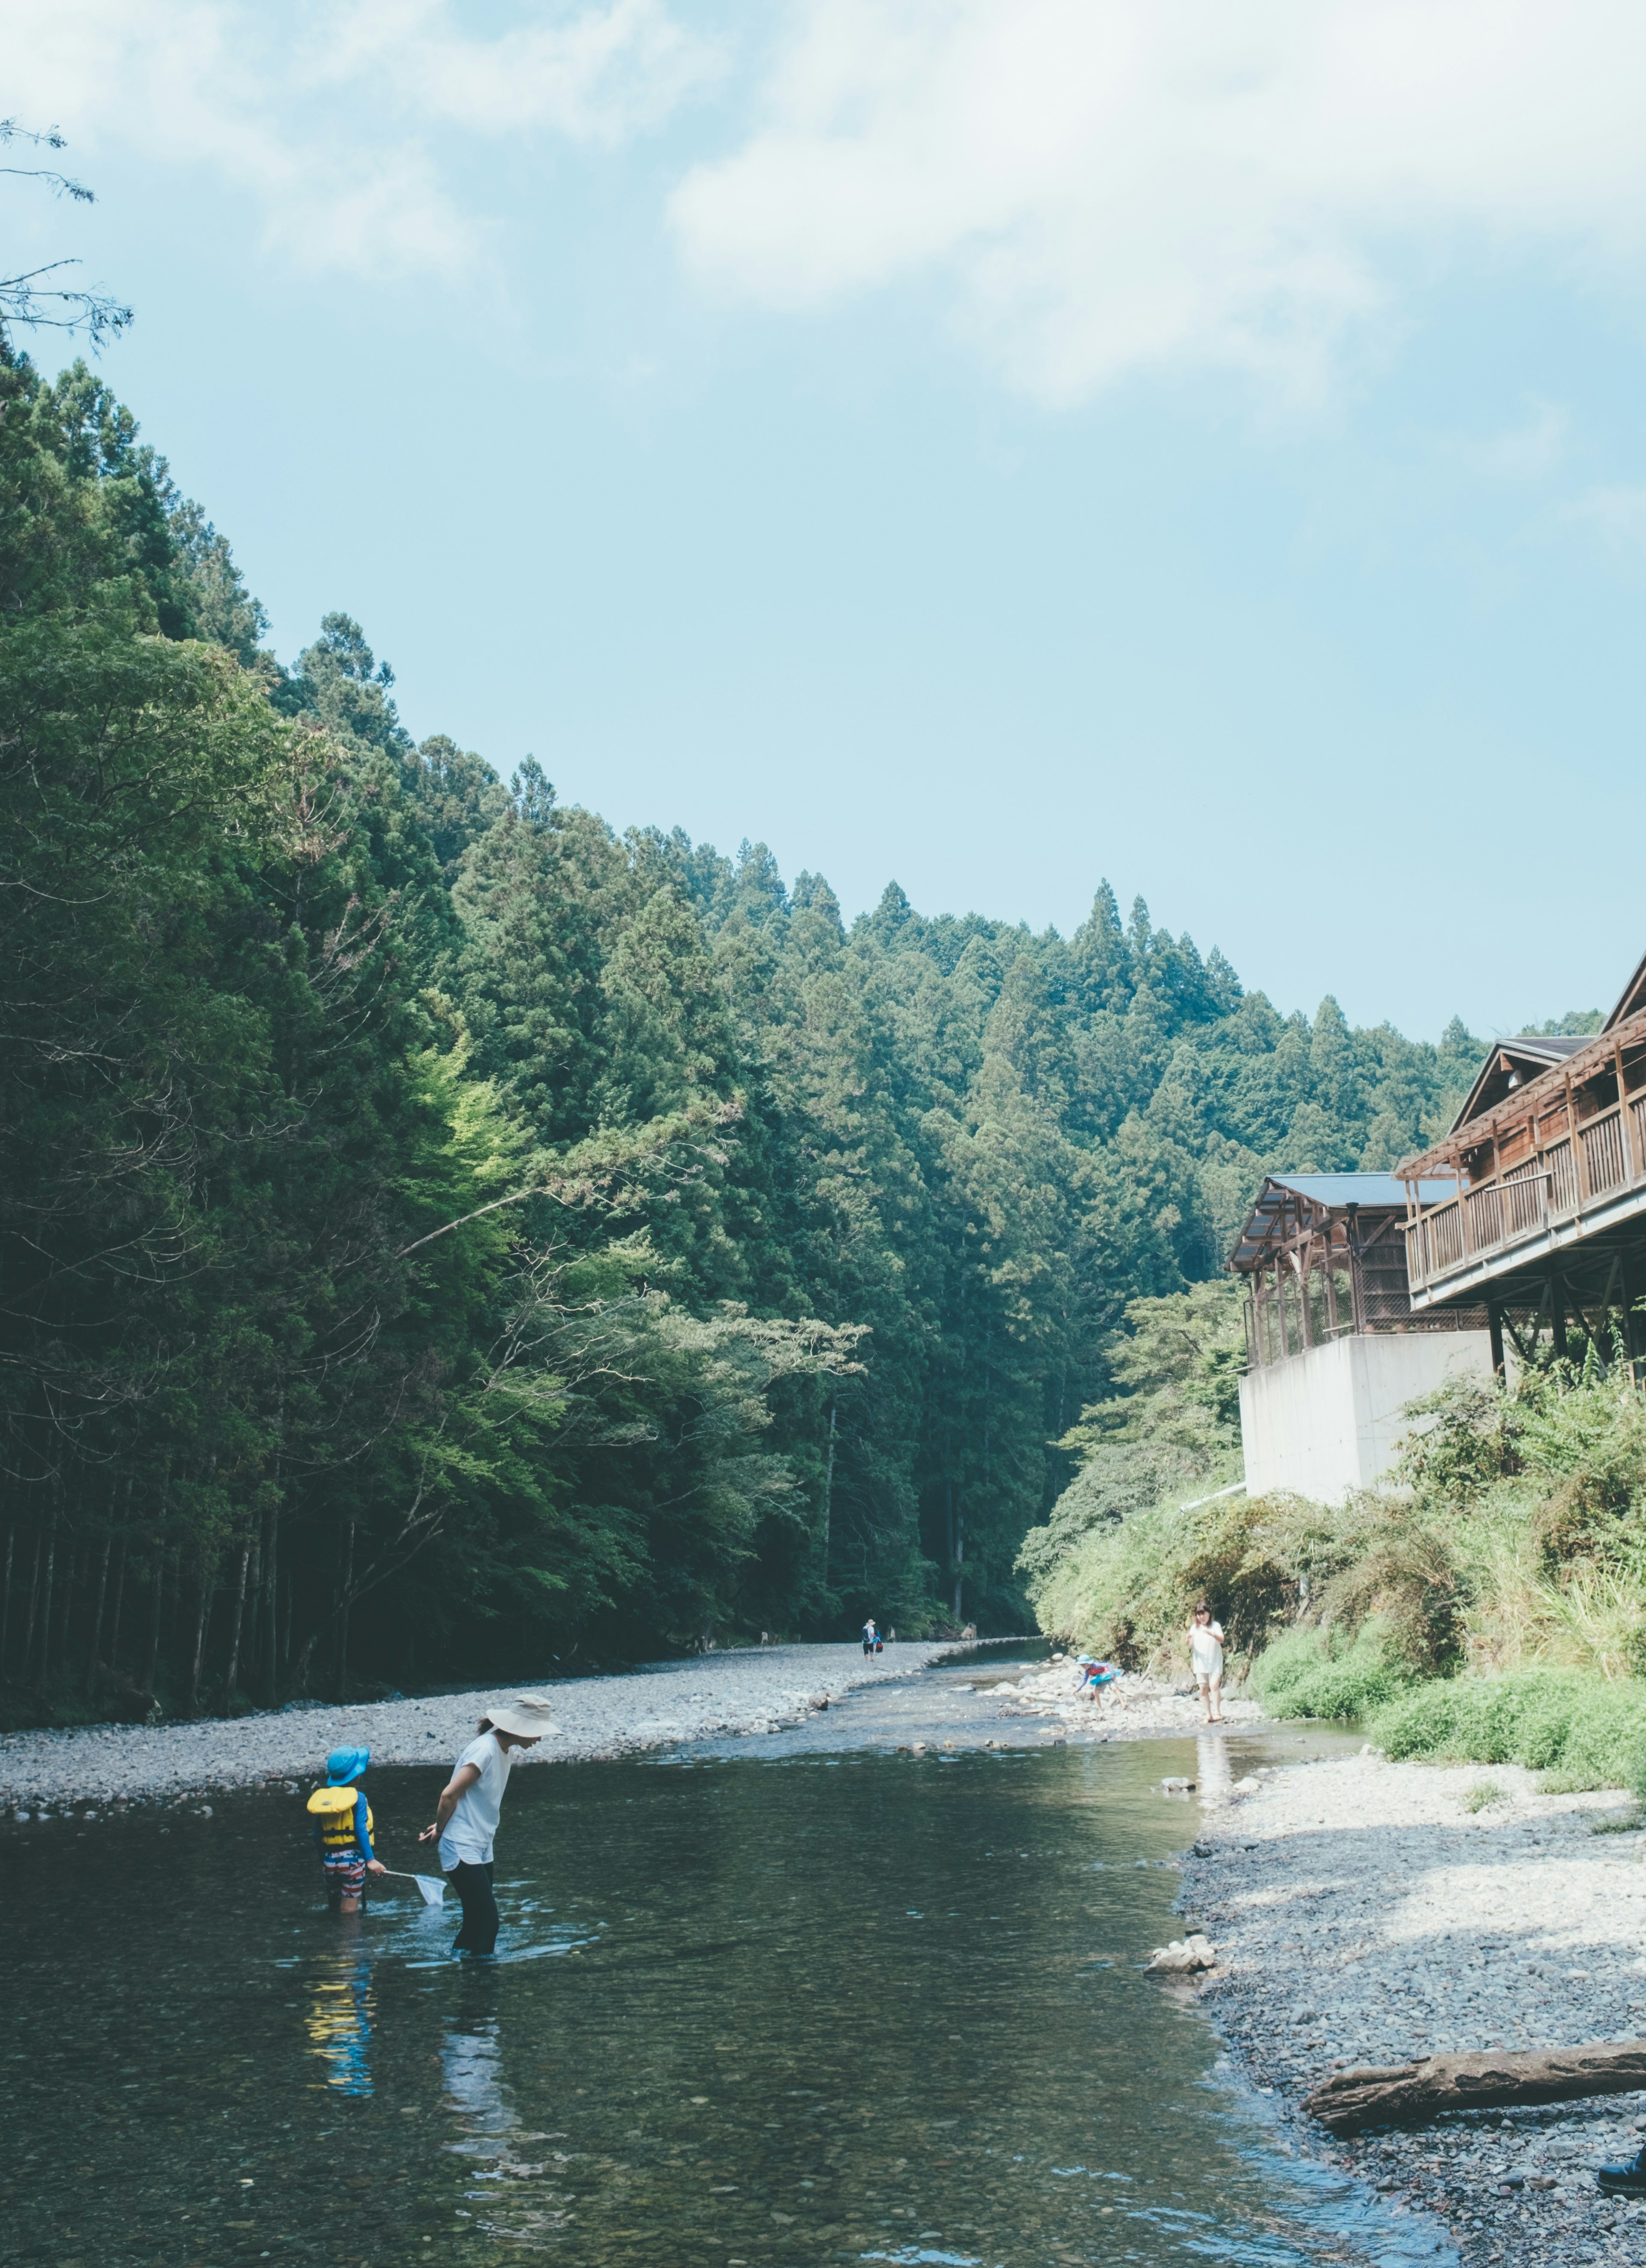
{"x":1411,"y":2093}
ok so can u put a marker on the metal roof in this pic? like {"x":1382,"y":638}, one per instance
{"x":1530,"y":1053}
{"x":1334,"y":1193}
{"x":1632,"y":998}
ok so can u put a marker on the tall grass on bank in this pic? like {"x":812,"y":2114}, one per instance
{"x":1579,"y":1731}
{"x":1310,"y":1673}
{"x":1512,"y":1539}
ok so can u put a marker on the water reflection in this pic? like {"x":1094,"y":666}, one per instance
{"x":471,"y":2061}
{"x":825,"y":2009}
{"x":1212,"y":1763}
{"x":528,"y":2207}
{"x":339,"y":2020}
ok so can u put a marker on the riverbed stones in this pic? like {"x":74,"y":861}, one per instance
{"x":753,"y":1689}
{"x":1364,"y":1888}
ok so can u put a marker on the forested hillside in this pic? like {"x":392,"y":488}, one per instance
{"x":443,"y":1237}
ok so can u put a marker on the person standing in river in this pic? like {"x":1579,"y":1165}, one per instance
{"x":1206,"y":1655}
{"x":870,"y":1636}
{"x":465,"y":1818}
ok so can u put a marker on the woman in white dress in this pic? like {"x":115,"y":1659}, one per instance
{"x":1206,"y":1655}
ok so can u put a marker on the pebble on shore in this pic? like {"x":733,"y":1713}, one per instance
{"x":1367,"y":1912}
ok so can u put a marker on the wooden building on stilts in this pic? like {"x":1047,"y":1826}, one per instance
{"x":1335,"y":1349}
{"x":1534,"y":1207}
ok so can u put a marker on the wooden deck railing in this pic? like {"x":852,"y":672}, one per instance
{"x":1564,"y":1180}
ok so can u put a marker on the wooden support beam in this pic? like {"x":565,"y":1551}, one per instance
{"x":1416,"y":2093}
{"x":1631,"y":1321}
{"x":1631,"y":1143}
{"x":1357,"y":1288}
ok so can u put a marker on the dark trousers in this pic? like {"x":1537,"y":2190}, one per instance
{"x":473,"y":1885}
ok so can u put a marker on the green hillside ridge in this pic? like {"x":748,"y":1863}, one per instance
{"x":443,"y":1237}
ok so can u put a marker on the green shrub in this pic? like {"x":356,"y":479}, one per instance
{"x":1579,"y":1731}
{"x":1316,"y":1673}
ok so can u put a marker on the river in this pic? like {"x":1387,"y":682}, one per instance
{"x":810,"y":2002}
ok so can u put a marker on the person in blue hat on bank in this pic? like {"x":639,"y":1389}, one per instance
{"x":342,"y":1828}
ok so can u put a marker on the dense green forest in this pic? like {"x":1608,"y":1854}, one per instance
{"x":443,"y":1237}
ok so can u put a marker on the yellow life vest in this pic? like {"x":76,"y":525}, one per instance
{"x":335,"y":1808}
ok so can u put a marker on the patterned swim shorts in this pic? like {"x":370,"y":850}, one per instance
{"x":345,"y":1878}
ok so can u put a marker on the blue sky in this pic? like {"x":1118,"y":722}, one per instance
{"x":994,"y":444}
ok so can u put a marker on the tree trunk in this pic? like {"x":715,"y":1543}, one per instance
{"x":5,"y":1609}
{"x":72,"y":1576}
{"x":271,"y":1591}
{"x":1415,"y":2092}
{"x":271,"y":1559}
{"x":233,"y":1669}
{"x":828,"y":1491}
{"x":45,"y":1617}
{"x":200,"y":1637}
{"x":254,"y":1600}
{"x":300,"y":1679}
{"x":96,"y":1639}
{"x":34,"y":1604}
{"x":119,"y":1595}
{"x":160,"y":1580}
{"x":343,"y":1612}
{"x":153,"y":1666}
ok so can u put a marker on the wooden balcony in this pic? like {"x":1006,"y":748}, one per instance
{"x":1562,"y":1165}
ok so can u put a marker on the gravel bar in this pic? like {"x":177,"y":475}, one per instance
{"x":754,"y":1689}
{"x":1368,"y":1912}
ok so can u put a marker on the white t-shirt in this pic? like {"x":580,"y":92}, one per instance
{"x":1206,"y":1650}
{"x":473,"y":1822}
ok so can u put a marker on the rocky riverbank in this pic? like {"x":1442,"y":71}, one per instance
{"x":1365,"y":1913}
{"x":1133,"y":1707}
{"x":754,"y":1691}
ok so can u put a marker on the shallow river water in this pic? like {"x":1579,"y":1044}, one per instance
{"x":814,"y":2003}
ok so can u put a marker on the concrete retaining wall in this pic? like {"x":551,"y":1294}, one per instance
{"x":1328,"y":1421}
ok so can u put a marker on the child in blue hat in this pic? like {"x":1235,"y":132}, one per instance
{"x":342,"y":1829}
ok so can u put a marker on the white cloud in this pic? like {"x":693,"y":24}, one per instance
{"x":598,"y":74}
{"x":1114,"y":185}
{"x":1618,"y":512}
{"x":1530,"y":451}
{"x":340,"y":121}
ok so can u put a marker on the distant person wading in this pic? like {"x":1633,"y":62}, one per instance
{"x":466,"y":1820}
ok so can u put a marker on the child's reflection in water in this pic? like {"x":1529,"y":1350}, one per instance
{"x":339,"y":2022}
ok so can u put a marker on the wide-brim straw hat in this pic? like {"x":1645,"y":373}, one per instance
{"x":525,"y":1715}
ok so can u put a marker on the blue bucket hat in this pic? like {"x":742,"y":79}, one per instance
{"x":344,"y":1764}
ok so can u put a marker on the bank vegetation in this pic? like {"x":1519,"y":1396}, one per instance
{"x":1488,"y":1605}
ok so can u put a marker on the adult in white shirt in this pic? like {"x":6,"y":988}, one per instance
{"x":1206,"y":1655}
{"x":465,"y":1819}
